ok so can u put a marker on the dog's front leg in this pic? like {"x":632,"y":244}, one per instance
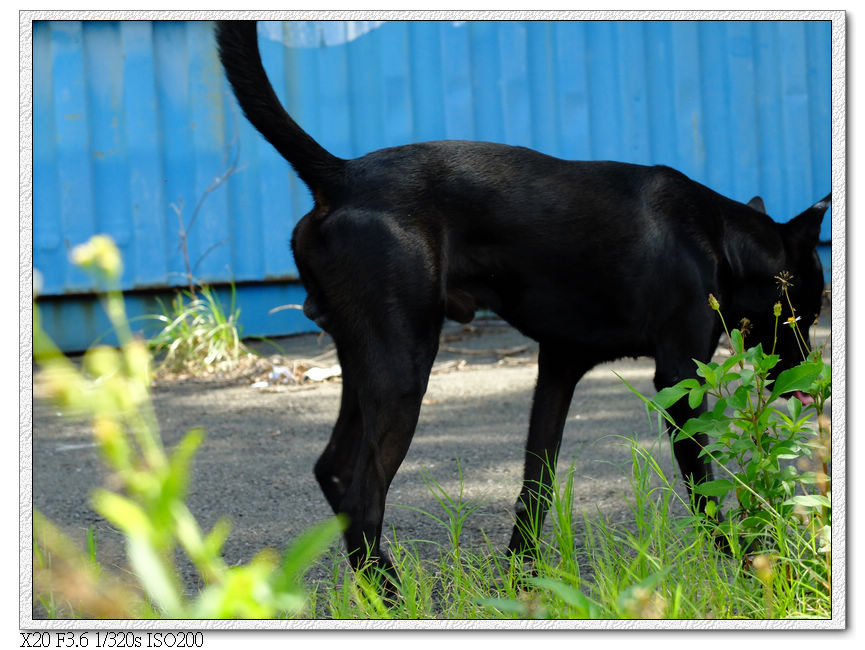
{"x":558,"y":374}
{"x":695,"y":469}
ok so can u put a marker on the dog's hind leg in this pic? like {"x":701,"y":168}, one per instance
{"x":335,"y":466}
{"x":558,"y":374}
{"x":389,"y":375}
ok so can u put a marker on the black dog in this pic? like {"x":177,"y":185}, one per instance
{"x":594,"y":260}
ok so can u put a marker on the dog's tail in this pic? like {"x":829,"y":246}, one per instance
{"x":238,"y":50}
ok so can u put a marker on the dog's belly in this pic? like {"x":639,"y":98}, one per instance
{"x":589,"y":333}
{"x":601,"y":325}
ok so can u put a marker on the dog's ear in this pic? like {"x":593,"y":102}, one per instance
{"x":804,"y":229}
{"x":757,"y":204}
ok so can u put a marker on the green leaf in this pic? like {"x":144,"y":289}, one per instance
{"x":586,"y":608}
{"x":811,"y":478}
{"x":712,"y":423}
{"x":770,"y":462}
{"x":695,"y":397}
{"x":796,"y":378}
{"x":753,"y":467}
{"x":306,"y":549}
{"x":212,"y":544}
{"x":666,"y":397}
{"x":720,"y":409}
{"x":786,"y":449}
{"x":717,"y":488}
{"x":707,"y":371}
{"x":763,"y":419}
{"x":156,"y":577}
{"x":505,"y":606}
{"x":179,"y":465}
{"x":764,"y":363}
{"x":746,"y":376}
{"x":745,"y":499}
{"x":739,"y":399}
{"x":809,"y":501}
{"x":794,"y":408}
{"x":754,"y":353}
{"x":758,"y":521}
{"x":124,"y":513}
{"x":732,"y":361}
{"x":737,"y":341}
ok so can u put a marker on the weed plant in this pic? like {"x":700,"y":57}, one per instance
{"x":147,"y":503}
{"x":776,"y":461}
{"x":198,"y":335}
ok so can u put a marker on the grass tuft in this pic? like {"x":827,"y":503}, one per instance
{"x":198,"y":334}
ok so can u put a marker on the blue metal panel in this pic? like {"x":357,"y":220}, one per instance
{"x":573,"y":90}
{"x":742,"y":116}
{"x":426,"y":77}
{"x":147,"y":261}
{"x":541,"y":86}
{"x":133,"y":122}
{"x":47,"y":232}
{"x":457,"y":83}
{"x":72,"y":147}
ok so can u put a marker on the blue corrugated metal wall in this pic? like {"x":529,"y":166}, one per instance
{"x":132,"y":121}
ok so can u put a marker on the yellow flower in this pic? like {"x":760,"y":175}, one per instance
{"x":99,"y":254}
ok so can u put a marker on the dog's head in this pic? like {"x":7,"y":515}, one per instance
{"x":794,"y":292}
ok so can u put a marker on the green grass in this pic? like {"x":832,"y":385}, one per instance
{"x":658,"y":565}
{"x":197,"y":333}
